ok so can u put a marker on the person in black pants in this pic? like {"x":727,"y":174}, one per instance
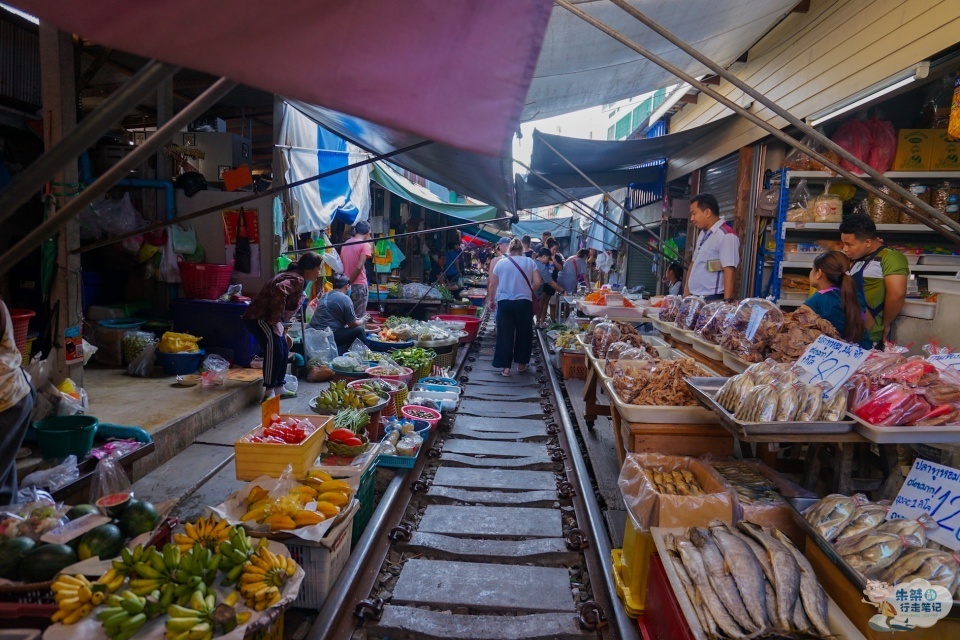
{"x":513,"y":284}
{"x":275,"y":304}
{"x":335,"y":312}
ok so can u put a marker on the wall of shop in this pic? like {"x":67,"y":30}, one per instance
{"x":210,"y":232}
{"x":813,"y":60}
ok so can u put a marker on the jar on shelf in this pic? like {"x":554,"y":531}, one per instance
{"x":921,"y":191}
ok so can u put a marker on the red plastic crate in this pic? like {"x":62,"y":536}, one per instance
{"x":663,"y":619}
{"x":203,"y":280}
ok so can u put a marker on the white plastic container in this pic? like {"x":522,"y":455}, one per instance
{"x":708,"y":349}
{"x":919,"y":309}
{"x":447,"y":399}
{"x":943,"y":284}
{"x":694,"y":414}
{"x":943,"y":260}
{"x":944,"y":434}
{"x":734,"y":363}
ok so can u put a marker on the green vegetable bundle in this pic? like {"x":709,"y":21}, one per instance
{"x":413,"y":357}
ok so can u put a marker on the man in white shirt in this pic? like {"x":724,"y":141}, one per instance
{"x":716,"y":255}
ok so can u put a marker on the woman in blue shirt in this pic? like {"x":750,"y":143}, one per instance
{"x":836,"y":297}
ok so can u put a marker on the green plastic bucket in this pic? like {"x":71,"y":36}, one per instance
{"x":61,"y":436}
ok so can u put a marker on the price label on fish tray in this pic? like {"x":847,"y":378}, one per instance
{"x":831,"y":361}
{"x":933,"y":489}
{"x":944,"y":361}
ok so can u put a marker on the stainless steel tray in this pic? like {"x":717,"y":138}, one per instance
{"x":798,"y":505}
{"x":704,"y":390}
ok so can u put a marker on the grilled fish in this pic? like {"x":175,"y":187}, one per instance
{"x":693,"y":561}
{"x":746,"y":569}
{"x":811,"y":593}
{"x":784,"y":568}
{"x":720,"y":577}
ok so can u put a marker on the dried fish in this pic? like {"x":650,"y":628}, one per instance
{"x":938,"y":567}
{"x":872,"y":551}
{"x":811,"y":593}
{"x":680,"y":482}
{"x":746,"y":569}
{"x":703,"y":614}
{"x":693,"y":561}
{"x":831,"y":515}
{"x":785,"y":569}
{"x":751,"y":486}
{"x":865,"y":517}
{"x":754,"y":402}
{"x":721,"y":579}
{"x":733,"y":390}
{"x":811,"y":401}
{"x":834,"y":409}
{"x":918,"y":527}
{"x":788,"y":403}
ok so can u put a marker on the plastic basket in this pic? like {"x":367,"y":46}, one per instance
{"x":21,"y":323}
{"x":405,"y":377}
{"x":204,"y":281}
{"x":26,"y":351}
{"x":433,"y":421}
{"x":573,"y":365}
{"x":322,"y":561}
{"x":61,"y":436}
{"x":446,"y":356}
{"x":365,"y":496}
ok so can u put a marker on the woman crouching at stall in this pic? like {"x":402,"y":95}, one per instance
{"x":836,"y":297}
{"x":514,"y":282}
{"x":335,"y":311}
{"x":277,"y":303}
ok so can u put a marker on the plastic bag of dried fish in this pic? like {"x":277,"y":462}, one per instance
{"x":811,"y":401}
{"x":866,"y":517}
{"x":760,"y":367}
{"x":938,"y":567}
{"x":872,"y":551}
{"x":919,"y":527}
{"x":759,"y":402}
{"x":680,"y":482}
{"x":788,"y":403}
{"x":835,"y":408}
{"x":734,"y":389}
{"x":832,"y":514}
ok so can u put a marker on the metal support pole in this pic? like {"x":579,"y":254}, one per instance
{"x":120,"y":170}
{"x":803,"y":126}
{"x":948,"y":233}
{"x":86,"y":134}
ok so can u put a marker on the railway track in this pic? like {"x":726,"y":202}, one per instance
{"x":495,"y":534}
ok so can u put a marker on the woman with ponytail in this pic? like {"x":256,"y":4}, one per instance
{"x":278,"y":302}
{"x":836,"y":297}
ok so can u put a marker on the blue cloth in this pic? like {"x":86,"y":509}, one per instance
{"x":453,"y":261}
{"x":829,"y":306}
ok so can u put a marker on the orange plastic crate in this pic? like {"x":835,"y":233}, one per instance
{"x":255,"y":459}
{"x":573,"y":364}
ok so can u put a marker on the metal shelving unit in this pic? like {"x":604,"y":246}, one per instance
{"x":782,"y":178}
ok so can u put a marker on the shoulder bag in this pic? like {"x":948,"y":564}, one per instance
{"x":533,"y":294}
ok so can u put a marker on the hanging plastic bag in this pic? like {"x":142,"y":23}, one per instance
{"x":109,"y":479}
{"x":215,"y":370}
{"x":169,"y":269}
{"x":73,"y":399}
{"x":884,"y":146}
{"x":797,"y":210}
{"x":184,"y":238}
{"x":142,"y":365}
{"x":856,"y":138}
{"x":332,"y":259}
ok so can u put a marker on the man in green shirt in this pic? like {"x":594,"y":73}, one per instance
{"x":880,"y":273}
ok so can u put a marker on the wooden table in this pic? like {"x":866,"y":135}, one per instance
{"x":590,"y":386}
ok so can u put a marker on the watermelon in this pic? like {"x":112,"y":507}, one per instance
{"x":43,"y":563}
{"x":105,"y":541}
{"x":139,"y":517}
{"x":81,"y":510}
{"x":12,"y":552}
{"x":113,"y":504}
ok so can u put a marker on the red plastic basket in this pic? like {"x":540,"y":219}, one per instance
{"x":204,"y":281}
{"x":471,"y":325}
{"x":21,"y":322}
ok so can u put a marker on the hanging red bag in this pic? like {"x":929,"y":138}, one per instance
{"x":884,"y":146}
{"x":855,"y":137}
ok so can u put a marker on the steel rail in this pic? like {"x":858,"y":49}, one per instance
{"x":589,"y":517}
{"x":947,"y":232}
{"x":83,"y":136}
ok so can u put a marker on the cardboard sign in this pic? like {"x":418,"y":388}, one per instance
{"x":935,"y":490}
{"x":831,"y":361}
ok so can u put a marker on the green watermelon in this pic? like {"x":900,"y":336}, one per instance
{"x":12,"y":552}
{"x":43,"y":563}
{"x":105,"y":541}
{"x":81,"y":510}
{"x":139,"y":517}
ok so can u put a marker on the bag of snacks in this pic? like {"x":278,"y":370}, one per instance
{"x":688,"y":311}
{"x":604,"y":335}
{"x":712,"y":329}
{"x":669,"y":308}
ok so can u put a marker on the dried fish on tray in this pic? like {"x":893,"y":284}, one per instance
{"x":751,"y":486}
{"x":747,"y":581}
{"x":679,"y":482}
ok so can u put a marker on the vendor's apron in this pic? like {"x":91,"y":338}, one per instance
{"x":870,"y":313}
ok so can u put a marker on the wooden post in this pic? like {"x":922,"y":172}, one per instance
{"x":58,"y":90}
{"x":741,"y":207}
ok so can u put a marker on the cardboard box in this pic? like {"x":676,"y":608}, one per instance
{"x":914,"y":150}
{"x":945,"y":155}
{"x":650,"y":508}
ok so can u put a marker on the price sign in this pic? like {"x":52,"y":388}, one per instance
{"x":935,"y":490}
{"x":831,"y":361}
{"x":946,"y":361}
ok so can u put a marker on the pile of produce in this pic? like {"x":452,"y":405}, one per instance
{"x":749,"y":331}
{"x":289,"y":511}
{"x":663,"y":386}
{"x":414,"y":357}
{"x":599,"y":299}
{"x":179,"y":584}
{"x":892,"y":551}
{"x":890,"y":389}
{"x":282,"y":430}
{"x":748,"y":581}
{"x":771,"y":391}
{"x":567,"y":341}
{"x":680,"y":482}
{"x":402,"y":333}
{"x":348,"y":437}
{"x":800,"y":329}
{"x":339,"y":396}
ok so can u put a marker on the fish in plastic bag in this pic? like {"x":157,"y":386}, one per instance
{"x":939,"y":568}
{"x":832,"y":514}
{"x":872,"y":551}
{"x":866,"y":517}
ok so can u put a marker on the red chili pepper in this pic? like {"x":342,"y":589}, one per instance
{"x":353,"y":442}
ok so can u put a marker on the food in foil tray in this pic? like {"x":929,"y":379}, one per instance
{"x":751,"y":485}
{"x":674,"y":483}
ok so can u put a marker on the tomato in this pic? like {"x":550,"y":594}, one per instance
{"x":340,"y":435}
{"x":353,"y":442}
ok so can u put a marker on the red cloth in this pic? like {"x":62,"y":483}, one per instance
{"x":350,"y":255}
{"x":452,"y":71}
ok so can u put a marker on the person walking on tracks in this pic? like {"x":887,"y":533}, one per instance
{"x":513,"y":287}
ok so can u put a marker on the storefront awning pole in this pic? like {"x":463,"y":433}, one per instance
{"x":591,"y":214}
{"x":31,"y":181}
{"x":603,"y":191}
{"x":116,"y":173}
{"x":952,"y":226}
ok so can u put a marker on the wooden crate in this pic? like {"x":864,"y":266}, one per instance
{"x":573,"y":364}
{"x":676,"y":439}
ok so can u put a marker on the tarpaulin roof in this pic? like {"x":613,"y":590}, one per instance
{"x":454,"y":72}
{"x":396,"y":183}
{"x":581,"y":67}
{"x":609,"y":163}
{"x":485,"y":178}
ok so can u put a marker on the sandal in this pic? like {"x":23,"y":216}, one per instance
{"x":521,"y":368}
{"x":505,"y":373}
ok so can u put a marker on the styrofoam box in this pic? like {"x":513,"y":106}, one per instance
{"x":919,"y":309}
{"x":943,"y":260}
{"x":322,"y":561}
{"x":800,"y":256}
{"x":943,"y":284}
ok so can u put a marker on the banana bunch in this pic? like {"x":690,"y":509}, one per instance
{"x":209,"y":532}
{"x":154,"y":570}
{"x":124,"y":565}
{"x":339,"y":396}
{"x":262,"y":578}
{"x":202,"y":616}
{"x":199,"y":566}
{"x":111,"y":581}
{"x":235,"y":551}
{"x":123,"y":616}
{"x":75,"y":598}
